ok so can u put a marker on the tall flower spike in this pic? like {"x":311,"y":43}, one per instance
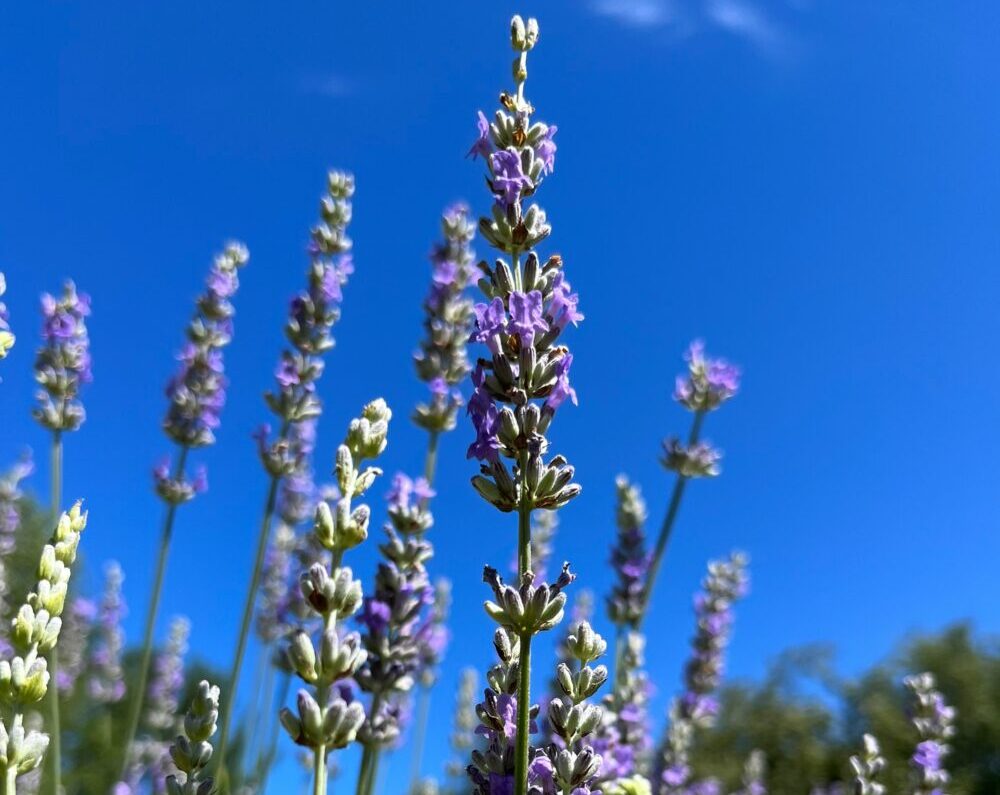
{"x":696,"y":708}
{"x":753,"y":774}
{"x":293,"y":400}
{"x":442,"y":360}
{"x":196,"y":395}
{"x":463,"y":736}
{"x":10,"y":520}
{"x":868,"y":768}
{"x":707,"y":384}
{"x":62,"y":365}
{"x":6,"y":337}
{"x":933,"y":720}
{"x":323,"y":720}
{"x":74,"y":638}
{"x":192,"y":751}
{"x":523,"y":378}
{"x":107,"y":680}
{"x":629,"y":556}
{"x":24,"y":677}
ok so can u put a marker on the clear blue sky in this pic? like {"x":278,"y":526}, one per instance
{"x":810,"y":185}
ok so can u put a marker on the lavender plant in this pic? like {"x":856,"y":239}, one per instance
{"x":525,"y":379}
{"x":106,"y":683}
{"x":191,"y":752}
{"x":10,"y":520}
{"x":74,"y":638}
{"x":24,"y":676}
{"x":703,"y":389}
{"x":623,"y":738}
{"x":753,"y":774}
{"x":696,"y":708}
{"x":6,"y":336}
{"x":868,"y":768}
{"x":293,"y":401}
{"x":324,"y":720}
{"x":62,"y":367}
{"x":933,"y":720}
{"x":196,"y":395}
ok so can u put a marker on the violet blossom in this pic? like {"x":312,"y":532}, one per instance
{"x":7,"y":338}
{"x":934,"y":722}
{"x":106,"y":682}
{"x":63,"y":364}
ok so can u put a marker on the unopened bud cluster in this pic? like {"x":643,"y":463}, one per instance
{"x":191,"y":752}
{"x":24,"y":677}
{"x":868,"y":767}
{"x":933,"y":720}
{"x":322,"y":721}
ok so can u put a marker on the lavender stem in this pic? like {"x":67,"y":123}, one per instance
{"x":138,"y":694}
{"x":248,"y":607}
{"x":56,"y":733}
{"x":521,"y":750}
{"x":668,"y":522}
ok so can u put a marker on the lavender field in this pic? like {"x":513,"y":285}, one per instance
{"x":674,"y":480}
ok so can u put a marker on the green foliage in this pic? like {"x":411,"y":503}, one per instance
{"x":808,"y":722}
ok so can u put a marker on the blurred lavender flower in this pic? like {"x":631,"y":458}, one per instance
{"x":197,"y":391}
{"x":433,"y":635}
{"x":77,"y":625}
{"x":62,"y":365}
{"x":106,"y":683}
{"x":272,"y":622}
{"x":725,"y":582}
{"x":753,"y":774}
{"x":933,"y":720}
{"x":868,"y":768}
{"x":707,"y":384}
{"x":463,"y":737}
{"x":6,"y":337}
{"x":168,"y":679}
{"x":10,"y":520}
{"x":629,"y":556}
{"x":623,"y":738}
{"x":442,"y":360}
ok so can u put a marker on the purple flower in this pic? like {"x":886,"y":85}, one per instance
{"x":563,"y":304}
{"x":482,"y":146}
{"x":509,"y":179}
{"x":708,"y":383}
{"x":562,"y":389}
{"x":63,"y":362}
{"x":526,"y":318}
{"x":375,"y":615}
{"x":404,"y":491}
{"x":107,"y":679}
{"x":491,"y":321}
{"x":545,"y":149}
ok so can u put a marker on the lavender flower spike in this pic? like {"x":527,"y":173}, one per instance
{"x":725,"y":583}
{"x":322,"y":720}
{"x":10,"y":520}
{"x":867,"y":769}
{"x":24,"y":677}
{"x":62,"y":365}
{"x":196,"y":395}
{"x":192,"y":751}
{"x":707,"y":384}
{"x":753,"y":774}
{"x":933,"y":720}
{"x":106,"y":684}
{"x":629,"y":556}
{"x":442,"y":361}
{"x":6,"y":337}
{"x":519,"y":385}
{"x":293,"y":400}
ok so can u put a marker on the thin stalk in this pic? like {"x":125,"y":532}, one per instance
{"x":56,"y":742}
{"x":430,"y":460}
{"x":319,"y":771}
{"x":420,"y":734}
{"x":241,"y":644}
{"x":139,"y":695}
{"x":10,"y":781}
{"x":263,"y":681}
{"x":522,"y":748}
{"x":668,"y":524}
{"x":272,"y":743}
{"x":373,"y":773}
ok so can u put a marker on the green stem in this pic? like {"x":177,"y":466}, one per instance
{"x":10,"y":781}
{"x":139,"y":694}
{"x":241,"y":644}
{"x":263,"y":681}
{"x":366,"y":763}
{"x":430,"y":460}
{"x":420,"y":734}
{"x":668,"y":524}
{"x":56,"y":733}
{"x":523,"y":717}
{"x":522,"y":748}
{"x":373,"y":773}
{"x":319,"y":771}
{"x":272,"y":743}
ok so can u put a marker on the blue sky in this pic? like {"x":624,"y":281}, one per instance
{"x":811,"y":186}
